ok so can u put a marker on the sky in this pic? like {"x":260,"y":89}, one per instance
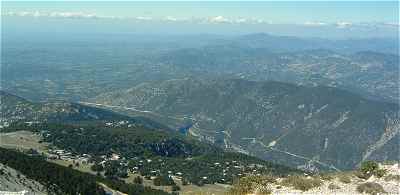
{"x":362,"y":17}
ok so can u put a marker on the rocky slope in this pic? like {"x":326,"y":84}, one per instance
{"x":13,"y":181}
{"x":336,"y":183}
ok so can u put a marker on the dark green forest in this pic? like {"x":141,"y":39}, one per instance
{"x":62,"y":180}
{"x":152,"y":153}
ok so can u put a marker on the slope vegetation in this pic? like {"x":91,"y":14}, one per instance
{"x":286,"y":123}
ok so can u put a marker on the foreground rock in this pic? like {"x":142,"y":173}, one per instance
{"x":13,"y":181}
{"x":332,"y":183}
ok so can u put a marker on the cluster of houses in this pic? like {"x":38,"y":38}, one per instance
{"x":68,"y":156}
{"x":119,"y":124}
{"x":114,"y":157}
{"x":155,"y":167}
{"x":59,"y":154}
{"x":225,"y":169}
{"x":3,"y":123}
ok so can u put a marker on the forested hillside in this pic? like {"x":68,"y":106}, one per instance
{"x":63,"y":180}
{"x":149,"y":152}
{"x":14,"y":108}
{"x":274,"y":120}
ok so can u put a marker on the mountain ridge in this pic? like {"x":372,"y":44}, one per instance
{"x":14,"y":108}
{"x":309,"y":121}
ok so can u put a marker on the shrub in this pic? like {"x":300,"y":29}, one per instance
{"x":301,"y":183}
{"x":370,"y":188}
{"x":333,"y":187}
{"x":185,"y":182}
{"x":325,"y":176}
{"x":122,"y":174}
{"x":263,"y":190}
{"x":138,"y":180}
{"x":163,"y":180}
{"x":389,"y":162}
{"x":361,"y":175}
{"x":369,"y":168}
{"x":243,"y":186}
{"x":251,"y":184}
{"x":97,"y":167}
{"x":392,"y":178}
{"x":200,"y":183}
{"x":344,"y":178}
{"x":380,"y":173}
{"x":175,"y":188}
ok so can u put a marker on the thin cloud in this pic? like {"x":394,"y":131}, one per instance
{"x":73,"y":15}
{"x":392,"y":24}
{"x":241,"y":20}
{"x":219,"y":19}
{"x":311,"y":23}
{"x":143,"y":18}
{"x":197,"y":20}
{"x":343,"y":24}
{"x":250,"y":21}
{"x":37,"y":14}
{"x":170,"y":18}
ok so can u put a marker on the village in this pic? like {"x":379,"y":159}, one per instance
{"x":114,"y":165}
{"x":156,"y":171}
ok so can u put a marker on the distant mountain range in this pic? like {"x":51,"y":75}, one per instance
{"x":290,"y":124}
{"x":292,"y":43}
{"x":92,"y":67}
{"x":374,"y":75}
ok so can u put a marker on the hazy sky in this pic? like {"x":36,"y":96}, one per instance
{"x":276,"y":12}
{"x":322,"y":18}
